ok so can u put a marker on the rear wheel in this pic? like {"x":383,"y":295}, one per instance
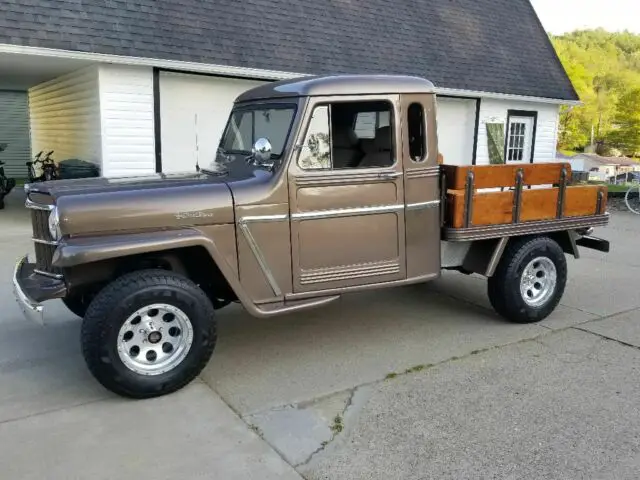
{"x":148,"y":333}
{"x":529,"y":281}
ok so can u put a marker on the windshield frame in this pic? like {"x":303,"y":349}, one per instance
{"x":292,"y":104}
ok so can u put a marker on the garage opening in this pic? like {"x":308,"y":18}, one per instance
{"x":14,"y":132}
{"x":193,"y":113}
{"x":457,"y":129}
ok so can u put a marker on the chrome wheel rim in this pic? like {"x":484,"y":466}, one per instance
{"x":538,"y":281}
{"x":155,"y":339}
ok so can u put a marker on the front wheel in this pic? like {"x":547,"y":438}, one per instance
{"x":148,"y":333}
{"x":529,"y":281}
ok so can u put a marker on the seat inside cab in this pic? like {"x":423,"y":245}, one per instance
{"x":361,"y":135}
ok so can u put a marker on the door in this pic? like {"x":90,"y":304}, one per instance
{"x":519,"y":141}
{"x":347,"y":196}
{"x":422,"y":188}
{"x":14,"y":131}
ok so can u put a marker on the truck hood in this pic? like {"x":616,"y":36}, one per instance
{"x":110,"y":205}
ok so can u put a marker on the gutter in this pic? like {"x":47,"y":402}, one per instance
{"x":206,"y":68}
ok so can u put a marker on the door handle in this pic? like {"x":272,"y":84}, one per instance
{"x":389,"y":175}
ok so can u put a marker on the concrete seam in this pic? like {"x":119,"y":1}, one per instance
{"x":250,"y":427}
{"x":625,"y":344}
{"x":53,"y":410}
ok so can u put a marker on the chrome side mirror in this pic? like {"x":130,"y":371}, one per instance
{"x":262,"y":151}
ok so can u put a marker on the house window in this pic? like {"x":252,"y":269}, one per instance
{"x":417,"y":134}
{"x":347,"y":135}
{"x":521,"y":127}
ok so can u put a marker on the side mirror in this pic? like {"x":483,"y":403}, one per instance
{"x":262,"y":151}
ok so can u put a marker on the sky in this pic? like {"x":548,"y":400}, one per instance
{"x":560,"y":16}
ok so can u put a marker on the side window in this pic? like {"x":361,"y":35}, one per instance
{"x":417,"y":133}
{"x":348,"y":135}
{"x":316,"y":149}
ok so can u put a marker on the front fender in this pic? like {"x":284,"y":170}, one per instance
{"x":84,"y":250}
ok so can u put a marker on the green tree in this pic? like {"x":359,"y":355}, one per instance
{"x":626,"y":133}
{"x":604,"y":68}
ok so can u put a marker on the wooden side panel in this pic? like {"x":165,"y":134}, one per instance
{"x":495,"y":208}
{"x":492,"y":176}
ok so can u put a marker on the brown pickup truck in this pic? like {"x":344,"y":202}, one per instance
{"x":320,"y":187}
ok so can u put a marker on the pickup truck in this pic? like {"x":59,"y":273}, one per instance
{"x":321,"y":186}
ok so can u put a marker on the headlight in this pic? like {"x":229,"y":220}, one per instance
{"x":54,"y":224}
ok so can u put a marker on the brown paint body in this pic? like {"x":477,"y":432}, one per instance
{"x":293,"y":238}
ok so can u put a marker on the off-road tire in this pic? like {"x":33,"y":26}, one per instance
{"x":116,"y":302}
{"x":503,"y":287}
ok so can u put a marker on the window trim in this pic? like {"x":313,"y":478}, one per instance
{"x":329,"y":104}
{"x":521,"y":113}
{"x":304,"y":138}
{"x":425,"y":133}
{"x":253,"y":106}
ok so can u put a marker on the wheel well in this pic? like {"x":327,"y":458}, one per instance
{"x":194,"y":263}
{"x":484,"y":255}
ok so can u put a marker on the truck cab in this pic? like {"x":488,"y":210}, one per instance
{"x":354,"y":200}
{"x":321,"y":186}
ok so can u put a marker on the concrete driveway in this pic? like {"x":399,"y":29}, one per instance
{"x":416,"y":382}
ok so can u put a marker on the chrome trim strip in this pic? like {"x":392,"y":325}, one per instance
{"x":496,"y":231}
{"x":255,"y":249}
{"x":45,"y":242}
{"x":426,"y":172}
{"x":264,"y":218}
{"x":342,"y":179}
{"x":346,"y":212}
{"x":36,"y":206}
{"x":421,"y":205}
{"x":57,"y":276}
{"x":349,"y":272}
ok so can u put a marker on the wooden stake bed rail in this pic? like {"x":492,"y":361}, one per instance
{"x":514,"y":202}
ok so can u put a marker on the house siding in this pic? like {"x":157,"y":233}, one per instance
{"x":127,"y":120}
{"x":496,"y":111}
{"x":64,"y":115}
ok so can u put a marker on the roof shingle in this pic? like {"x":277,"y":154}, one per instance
{"x":484,"y":45}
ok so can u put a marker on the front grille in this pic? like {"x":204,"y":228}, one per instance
{"x":44,"y":244}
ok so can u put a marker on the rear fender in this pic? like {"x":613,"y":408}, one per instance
{"x":85,"y":250}
{"x":484,"y":256}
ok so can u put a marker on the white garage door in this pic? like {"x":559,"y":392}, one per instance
{"x":193,"y":114}
{"x":456,"y":128}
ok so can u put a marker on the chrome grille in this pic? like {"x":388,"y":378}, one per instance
{"x":44,"y":244}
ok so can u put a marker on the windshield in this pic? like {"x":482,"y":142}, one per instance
{"x":247,"y":125}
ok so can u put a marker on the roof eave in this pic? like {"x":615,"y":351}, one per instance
{"x":504,"y":96}
{"x":240,"y":72}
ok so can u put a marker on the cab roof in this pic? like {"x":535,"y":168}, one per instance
{"x":338,"y":85}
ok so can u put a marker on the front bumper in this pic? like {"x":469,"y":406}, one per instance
{"x":31,"y":289}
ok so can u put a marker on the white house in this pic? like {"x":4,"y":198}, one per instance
{"x":147,"y":86}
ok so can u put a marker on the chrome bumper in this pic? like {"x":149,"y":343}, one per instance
{"x":32,"y":310}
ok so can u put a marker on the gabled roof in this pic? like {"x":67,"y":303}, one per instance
{"x":496,"y":46}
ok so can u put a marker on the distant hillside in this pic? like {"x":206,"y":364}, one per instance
{"x":605,"y":70}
